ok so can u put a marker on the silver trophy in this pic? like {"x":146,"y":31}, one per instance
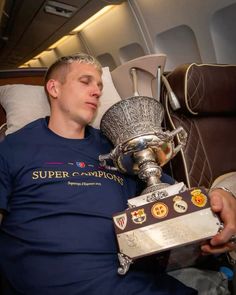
{"x":164,"y":216}
{"x":141,"y":146}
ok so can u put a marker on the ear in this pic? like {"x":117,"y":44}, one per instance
{"x":52,"y":88}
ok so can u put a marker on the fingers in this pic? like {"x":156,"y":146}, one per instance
{"x":223,"y":236}
{"x":209,"y":249}
{"x":224,"y":205}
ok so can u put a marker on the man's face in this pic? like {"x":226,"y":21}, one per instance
{"x":78,"y":96}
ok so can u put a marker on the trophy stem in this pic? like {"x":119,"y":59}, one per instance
{"x":149,"y":170}
{"x":153,"y":180}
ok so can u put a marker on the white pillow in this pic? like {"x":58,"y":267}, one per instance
{"x":26,"y":103}
{"x":23,"y":104}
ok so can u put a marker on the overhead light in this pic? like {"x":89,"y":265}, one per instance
{"x":84,"y":24}
{"x":54,"y":45}
{"x":93,"y":18}
{"x":60,"y":9}
{"x":25,"y":65}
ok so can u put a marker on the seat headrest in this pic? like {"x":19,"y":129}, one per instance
{"x":205,"y":89}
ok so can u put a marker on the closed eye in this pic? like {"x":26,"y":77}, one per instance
{"x":84,"y":81}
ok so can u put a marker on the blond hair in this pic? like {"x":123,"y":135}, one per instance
{"x":60,"y":67}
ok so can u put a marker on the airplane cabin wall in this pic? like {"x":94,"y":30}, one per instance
{"x":185,"y":30}
{"x":190,"y":30}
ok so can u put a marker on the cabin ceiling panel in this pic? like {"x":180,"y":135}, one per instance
{"x":29,"y":29}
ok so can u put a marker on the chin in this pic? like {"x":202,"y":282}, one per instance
{"x":88,"y":120}
{"x":88,"y":117}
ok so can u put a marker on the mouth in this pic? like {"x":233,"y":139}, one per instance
{"x":92,"y":105}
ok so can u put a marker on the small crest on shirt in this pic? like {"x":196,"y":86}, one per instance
{"x":80,"y":164}
{"x":121,"y":221}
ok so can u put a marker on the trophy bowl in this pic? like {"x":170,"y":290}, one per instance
{"x":131,"y":118}
{"x":133,"y":125}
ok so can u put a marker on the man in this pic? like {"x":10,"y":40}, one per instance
{"x":56,"y":201}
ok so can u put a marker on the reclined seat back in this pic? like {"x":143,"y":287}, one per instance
{"x":207,"y":98}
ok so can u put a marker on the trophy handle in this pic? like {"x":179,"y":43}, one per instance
{"x":182,"y":139}
{"x":110,"y":156}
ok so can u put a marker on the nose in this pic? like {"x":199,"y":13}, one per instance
{"x":97,"y":91}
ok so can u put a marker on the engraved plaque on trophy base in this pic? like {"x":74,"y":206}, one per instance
{"x":166,"y":224}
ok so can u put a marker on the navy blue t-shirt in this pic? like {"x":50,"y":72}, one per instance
{"x":57,"y":236}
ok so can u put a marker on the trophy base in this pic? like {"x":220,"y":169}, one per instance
{"x":177,"y":223}
{"x":158,"y":194}
{"x":154,"y":188}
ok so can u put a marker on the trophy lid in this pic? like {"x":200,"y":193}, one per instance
{"x":132,"y":117}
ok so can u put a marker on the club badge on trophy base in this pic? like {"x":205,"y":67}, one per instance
{"x":178,"y":223}
{"x":163,"y":217}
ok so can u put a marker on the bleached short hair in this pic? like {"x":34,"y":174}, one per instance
{"x":62,"y":64}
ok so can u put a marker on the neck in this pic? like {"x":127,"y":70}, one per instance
{"x":67,"y":129}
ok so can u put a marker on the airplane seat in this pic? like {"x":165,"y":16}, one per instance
{"x":206,"y":94}
{"x":206,"y":109}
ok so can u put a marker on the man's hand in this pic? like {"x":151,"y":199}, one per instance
{"x":224,"y":204}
